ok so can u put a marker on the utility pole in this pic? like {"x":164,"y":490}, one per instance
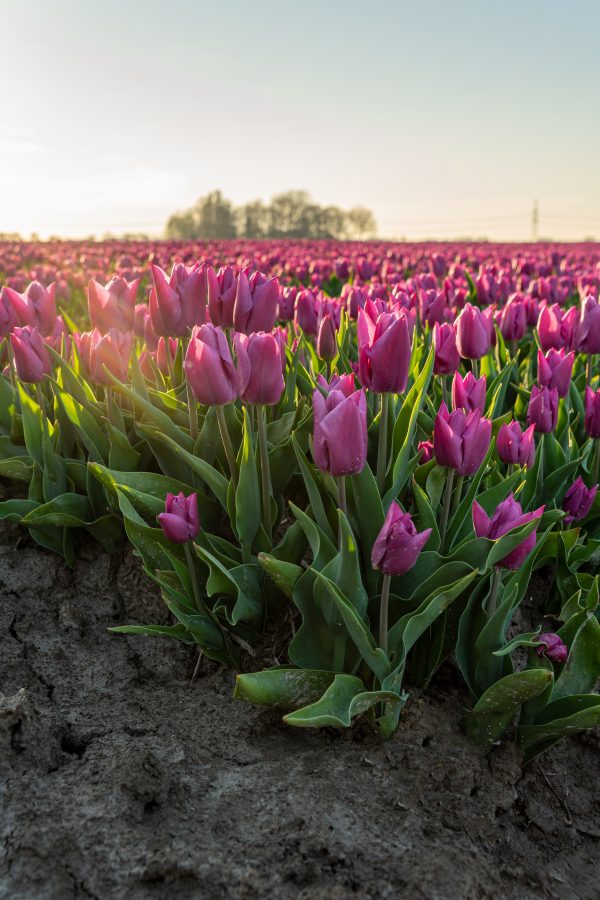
{"x":535,"y":217}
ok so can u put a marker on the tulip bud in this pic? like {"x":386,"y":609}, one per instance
{"x":340,"y":432}
{"x":343,"y":383}
{"x":110,"y":350}
{"x":460,"y":440}
{"x":398,"y":544}
{"x":432,"y":307}
{"x":468,"y":393}
{"x":578,"y":501}
{"x":514,"y":446}
{"x":259,"y":368}
{"x":209,"y":368}
{"x":256,"y":302}
{"x":552,"y":647}
{"x":112,"y":306}
{"x":305,"y":313}
{"x":588,"y":328}
{"x":161,"y":353}
{"x":513,"y":319}
{"x":554,"y":370}
{"x":8,"y":319}
{"x":326,"y":338}
{"x":557,"y":329}
{"x":542,"y":411}
{"x":426,"y":450}
{"x":447,"y":357}
{"x":473,"y":333}
{"x":32,"y":360}
{"x":222,"y":289}
{"x":383,"y":350}
{"x":592,"y":412}
{"x":180,"y":521}
{"x":36,"y":307}
{"x":507,"y":516}
{"x":179,"y":302}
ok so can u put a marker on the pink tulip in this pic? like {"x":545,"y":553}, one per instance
{"x":209,"y":368}
{"x":32,"y":360}
{"x":259,"y":368}
{"x":468,"y":393}
{"x":473,"y":333}
{"x":592,"y":412}
{"x":340,"y":432}
{"x":36,"y":307}
{"x":578,"y":501}
{"x":326,"y":338}
{"x":255,"y":303}
{"x":554,"y":370}
{"x":507,"y":516}
{"x":180,"y":521}
{"x":179,"y":302}
{"x":514,"y":446}
{"x":398,"y":544}
{"x":110,"y":350}
{"x":112,"y":306}
{"x":542,"y":411}
{"x":222,"y":289}
{"x":461,"y":440}
{"x":447,"y":357}
{"x":383,"y":350}
{"x":552,"y":647}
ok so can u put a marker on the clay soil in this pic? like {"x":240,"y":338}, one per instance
{"x":120,"y":778}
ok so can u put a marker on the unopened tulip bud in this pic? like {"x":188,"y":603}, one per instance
{"x":260,"y":375}
{"x":578,"y":501}
{"x":32,"y":360}
{"x":180,"y":521}
{"x":507,"y":516}
{"x":340,"y":432}
{"x":542,"y":411}
{"x":209,"y":368}
{"x":552,"y":647}
{"x":398,"y":544}
{"x":468,"y":393}
{"x":515,"y":446}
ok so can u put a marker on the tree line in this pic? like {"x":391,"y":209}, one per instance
{"x":292,"y":214}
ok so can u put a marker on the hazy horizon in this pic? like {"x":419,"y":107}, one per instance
{"x":444,"y":120}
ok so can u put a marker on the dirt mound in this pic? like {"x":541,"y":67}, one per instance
{"x":121,"y":778}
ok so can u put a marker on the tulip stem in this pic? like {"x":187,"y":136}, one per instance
{"x":11,"y":364}
{"x":457,"y":493}
{"x":193,"y":412}
{"x":341,"y":484}
{"x":596,"y":463}
{"x":446,"y":507}
{"x":384,"y":604}
{"x":589,"y":369}
{"x":42,"y":405}
{"x":110,"y":404}
{"x":382,"y":446}
{"x":444,"y":391}
{"x":491,"y":606}
{"x":228,"y":446}
{"x":475,"y":367}
{"x":192,"y":570}
{"x":170,"y":363}
{"x":339,"y":653}
{"x":265,"y":473}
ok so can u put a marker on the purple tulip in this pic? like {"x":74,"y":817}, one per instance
{"x":209,"y":368}
{"x":255,"y":303}
{"x":514,"y":446}
{"x":468,"y":393}
{"x":222,"y":289}
{"x":554,"y":370}
{"x":426,"y":450}
{"x":383,"y":350}
{"x":592,"y":412}
{"x":542,"y":411}
{"x":306,"y":316}
{"x":8,"y":320}
{"x":513,"y":319}
{"x":326,"y":338}
{"x":32,"y":360}
{"x":557,"y":329}
{"x":398,"y":544}
{"x":179,"y":302}
{"x":588,"y":329}
{"x":343,"y":383}
{"x":180,"y":521}
{"x":340,"y":432}
{"x":461,"y":440}
{"x":552,"y":647}
{"x":432,"y":307}
{"x":36,"y":307}
{"x":447,"y":357}
{"x":112,"y":306}
{"x":473,"y":333}
{"x":507,"y":516}
{"x":578,"y":501}
{"x":260,"y":375}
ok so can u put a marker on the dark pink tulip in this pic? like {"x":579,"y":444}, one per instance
{"x":592,"y":412}
{"x":326,"y":338}
{"x":552,"y":647}
{"x":432,"y":307}
{"x":447,"y":357}
{"x":110,"y":350}
{"x":256,"y":302}
{"x":473,"y":333}
{"x":306,"y":316}
{"x":532,"y":310}
{"x":554,"y":370}
{"x":588,"y":329}
{"x":180,"y":521}
{"x":36,"y":307}
{"x":340,"y":432}
{"x":355,"y":300}
{"x":343,"y":383}
{"x":557,"y":329}
{"x":209,"y":368}
{"x":259,"y":369}
{"x":281,"y":336}
{"x":32,"y":360}
{"x":398,"y":544}
{"x":141,"y":314}
{"x":83,"y":342}
{"x":161,"y":353}
{"x":578,"y":501}
{"x":507,"y":516}
{"x":461,"y":440}
{"x":468,"y":393}
{"x":285,"y":306}
{"x":179,"y":302}
{"x":112,"y":306}
{"x":514,"y":446}
{"x":426,"y":450}
{"x":222,"y":289}
{"x":542,"y":411}
{"x":513,"y":319}
{"x":8,"y":320}
{"x":60,"y":333}
{"x":383,"y":350}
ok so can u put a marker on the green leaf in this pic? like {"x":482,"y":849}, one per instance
{"x":314,"y":495}
{"x":180,"y":632}
{"x":567,"y":716}
{"x":247,"y":496}
{"x":582,"y":668}
{"x":286,"y":687}
{"x":68,"y":510}
{"x":341,"y":702}
{"x":499,"y":705}
{"x":283,"y":574}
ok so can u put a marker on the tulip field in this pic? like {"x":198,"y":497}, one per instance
{"x":342,"y":464}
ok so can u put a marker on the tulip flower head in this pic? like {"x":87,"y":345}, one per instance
{"x":109,"y":351}
{"x":578,"y":501}
{"x":592,"y":412}
{"x":256,"y":302}
{"x":32,"y":360}
{"x":542,"y":411}
{"x":383,"y":350}
{"x":515,"y":446}
{"x":112,"y":306}
{"x":180,"y":521}
{"x":507,"y":516}
{"x":326,"y":338}
{"x":554,"y":370}
{"x":447,"y":357}
{"x":426,"y":450}
{"x":178,"y":302}
{"x":208,"y":367}
{"x":36,"y":307}
{"x":340,"y":432}
{"x":552,"y":647}
{"x":398,"y":544}
{"x":468,"y":393}
{"x":260,"y":377}
{"x":461,"y":440}
{"x":473,"y":333}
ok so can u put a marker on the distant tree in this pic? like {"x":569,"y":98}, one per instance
{"x":361,"y":223}
{"x":214,"y":217}
{"x":182,"y":226}
{"x":252,"y":220}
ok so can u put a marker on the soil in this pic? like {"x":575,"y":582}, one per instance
{"x":121,"y":778}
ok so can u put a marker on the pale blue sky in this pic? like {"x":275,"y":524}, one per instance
{"x":446,"y":118}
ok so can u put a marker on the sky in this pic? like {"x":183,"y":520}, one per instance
{"x":447,"y":118}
